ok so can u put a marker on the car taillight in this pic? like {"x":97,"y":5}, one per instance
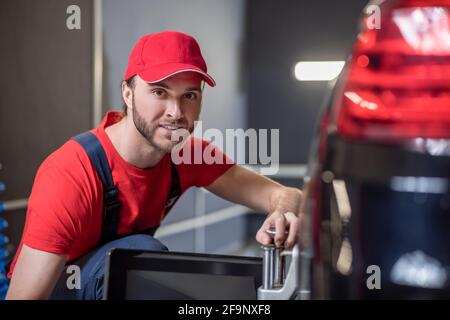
{"x":397,"y":81}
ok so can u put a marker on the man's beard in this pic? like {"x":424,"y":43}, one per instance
{"x":147,"y":131}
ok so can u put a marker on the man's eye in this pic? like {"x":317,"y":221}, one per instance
{"x":158,"y":92}
{"x":190,"y":96}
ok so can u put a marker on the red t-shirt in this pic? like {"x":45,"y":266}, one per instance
{"x":64,"y":212}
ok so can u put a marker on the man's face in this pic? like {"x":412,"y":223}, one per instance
{"x":159,"y":109}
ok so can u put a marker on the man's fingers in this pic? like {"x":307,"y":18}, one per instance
{"x":280,"y":229}
{"x":294,"y":226}
{"x":281,"y":222}
{"x":262,"y":236}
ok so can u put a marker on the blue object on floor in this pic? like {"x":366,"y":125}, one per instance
{"x":3,"y":251}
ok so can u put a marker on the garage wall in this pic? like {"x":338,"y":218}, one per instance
{"x":279,"y":34}
{"x":45,"y":91}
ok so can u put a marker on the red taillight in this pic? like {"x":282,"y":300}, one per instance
{"x":397,"y":81}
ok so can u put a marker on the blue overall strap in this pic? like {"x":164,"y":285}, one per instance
{"x":111,"y":204}
{"x":175,"y":189}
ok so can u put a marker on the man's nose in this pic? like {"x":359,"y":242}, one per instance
{"x":174,"y":109}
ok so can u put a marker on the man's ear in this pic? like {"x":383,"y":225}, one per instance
{"x":127,"y":94}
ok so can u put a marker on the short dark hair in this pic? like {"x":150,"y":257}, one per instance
{"x":131,"y":84}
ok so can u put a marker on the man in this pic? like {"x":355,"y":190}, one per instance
{"x":66,"y":224}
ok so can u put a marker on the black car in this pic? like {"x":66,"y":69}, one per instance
{"x":379,"y":189}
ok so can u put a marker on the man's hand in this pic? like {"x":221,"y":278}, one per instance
{"x":285,"y":215}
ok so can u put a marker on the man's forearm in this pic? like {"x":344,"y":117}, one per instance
{"x":242,"y":186}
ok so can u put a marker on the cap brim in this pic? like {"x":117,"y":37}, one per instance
{"x":162,"y":72}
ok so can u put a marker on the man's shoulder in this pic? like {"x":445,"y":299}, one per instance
{"x":70,"y":159}
{"x":71,"y":152}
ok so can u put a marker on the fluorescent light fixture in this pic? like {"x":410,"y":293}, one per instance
{"x":318,"y":70}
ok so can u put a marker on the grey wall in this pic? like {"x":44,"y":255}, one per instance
{"x":279,"y":34}
{"x":216,"y":24}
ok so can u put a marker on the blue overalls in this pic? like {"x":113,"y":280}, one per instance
{"x":92,"y":265}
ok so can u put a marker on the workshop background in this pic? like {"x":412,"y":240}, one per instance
{"x":59,"y":82}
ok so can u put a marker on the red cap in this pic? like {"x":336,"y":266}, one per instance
{"x":160,"y":55}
